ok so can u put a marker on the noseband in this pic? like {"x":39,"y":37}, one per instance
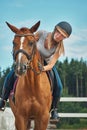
{"x":29,"y":57}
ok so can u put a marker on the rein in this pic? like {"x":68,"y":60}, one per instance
{"x":36,"y":72}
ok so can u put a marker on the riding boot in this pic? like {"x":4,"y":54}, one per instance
{"x":7,"y":87}
{"x":54,"y":108}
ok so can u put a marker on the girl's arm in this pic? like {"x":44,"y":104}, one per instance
{"x":58,"y":52}
{"x":52,"y":62}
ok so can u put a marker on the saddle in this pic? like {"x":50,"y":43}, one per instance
{"x":50,"y":75}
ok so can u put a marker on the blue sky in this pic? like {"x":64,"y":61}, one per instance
{"x":27,"y":12}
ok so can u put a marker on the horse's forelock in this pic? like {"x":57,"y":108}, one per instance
{"x":24,"y":30}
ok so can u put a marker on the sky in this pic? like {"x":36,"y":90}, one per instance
{"x":25,"y":13}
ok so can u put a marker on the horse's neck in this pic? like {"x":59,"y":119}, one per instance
{"x":37,"y":59}
{"x":32,"y":73}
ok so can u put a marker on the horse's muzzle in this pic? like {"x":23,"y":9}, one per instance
{"x":20,"y":69}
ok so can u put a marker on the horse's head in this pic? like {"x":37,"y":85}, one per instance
{"x":24,"y":44}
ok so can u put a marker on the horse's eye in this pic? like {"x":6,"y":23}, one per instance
{"x":30,"y":43}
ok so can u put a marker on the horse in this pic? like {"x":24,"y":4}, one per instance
{"x":33,"y":96}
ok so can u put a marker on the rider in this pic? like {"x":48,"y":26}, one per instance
{"x":50,"y":45}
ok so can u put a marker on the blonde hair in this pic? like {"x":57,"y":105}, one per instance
{"x":60,"y":48}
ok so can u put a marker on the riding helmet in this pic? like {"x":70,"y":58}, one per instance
{"x":65,"y":26}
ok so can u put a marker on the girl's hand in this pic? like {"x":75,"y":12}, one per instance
{"x":40,"y":66}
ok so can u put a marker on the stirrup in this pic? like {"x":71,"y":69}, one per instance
{"x":3,"y":108}
{"x":54,"y":117}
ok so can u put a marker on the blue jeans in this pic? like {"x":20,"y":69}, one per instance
{"x":57,"y":84}
{"x":57,"y":91}
{"x":8,"y":84}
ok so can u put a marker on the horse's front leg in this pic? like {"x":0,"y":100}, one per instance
{"x":21,"y":123}
{"x":41,"y":122}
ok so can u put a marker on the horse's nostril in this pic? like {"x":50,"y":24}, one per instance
{"x":24,"y":67}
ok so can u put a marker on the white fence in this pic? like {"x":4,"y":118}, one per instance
{"x":73,"y":99}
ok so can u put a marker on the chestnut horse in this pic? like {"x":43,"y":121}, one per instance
{"x":33,"y":93}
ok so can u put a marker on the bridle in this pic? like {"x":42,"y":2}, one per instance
{"x":29,"y":56}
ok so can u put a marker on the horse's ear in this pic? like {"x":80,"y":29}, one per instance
{"x":13,"y":28}
{"x":35,"y":27}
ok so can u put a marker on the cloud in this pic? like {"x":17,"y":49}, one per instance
{"x":76,"y":45}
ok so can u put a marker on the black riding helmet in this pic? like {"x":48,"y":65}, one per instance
{"x":65,"y":26}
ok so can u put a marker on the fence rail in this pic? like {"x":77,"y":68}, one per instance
{"x":73,"y":99}
{"x":75,"y":115}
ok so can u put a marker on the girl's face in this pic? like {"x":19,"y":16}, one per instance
{"x":58,"y":36}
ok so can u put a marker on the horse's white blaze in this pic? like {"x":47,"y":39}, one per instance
{"x":21,"y":47}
